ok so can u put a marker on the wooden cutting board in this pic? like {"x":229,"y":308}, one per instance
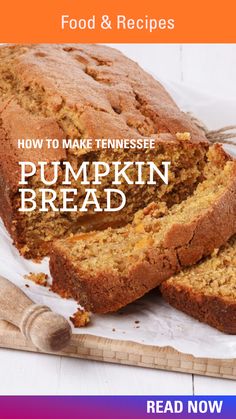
{"x":127,"y":353}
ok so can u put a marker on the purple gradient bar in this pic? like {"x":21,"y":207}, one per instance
{"x":114,"y":407}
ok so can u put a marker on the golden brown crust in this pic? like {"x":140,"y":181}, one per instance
{"x":207,"y":290}
{"x":17,"y":123}
{"x":213,"y":310}
{"x":182,"y":246}
{"x":112,"y":95}
{"x":88,"y":91}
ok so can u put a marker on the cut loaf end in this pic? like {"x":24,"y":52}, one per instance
{"x":207,"y":291}
{"x":82,"y":91}
{"x":106,"y":270}
{"x":35,"y":231}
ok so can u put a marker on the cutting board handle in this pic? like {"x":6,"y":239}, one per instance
{"x":48,"y":331}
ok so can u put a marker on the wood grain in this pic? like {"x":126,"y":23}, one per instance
{"x":125,"y":352}
{"x":47,"y":330}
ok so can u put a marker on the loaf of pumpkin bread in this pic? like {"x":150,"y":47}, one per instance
{"x":106,"y":270}
{"x":207,"y":291}
{"x":86,"y":91}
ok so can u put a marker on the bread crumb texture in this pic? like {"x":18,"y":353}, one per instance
{"x":81,"y":318}
{"x":183,"y":136}
{"x":87,"y":91}
{"x":208,"y":290}
{"x":111,"y":268}
{"x":38,"y":278}
{"x":215,"y":276}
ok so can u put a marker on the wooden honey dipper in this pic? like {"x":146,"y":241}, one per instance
{"x":48,"y":331}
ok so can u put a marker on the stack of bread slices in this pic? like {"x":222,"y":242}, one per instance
{"x":178,"y":236}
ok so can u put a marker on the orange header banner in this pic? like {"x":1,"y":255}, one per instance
{"x":123,"y":21}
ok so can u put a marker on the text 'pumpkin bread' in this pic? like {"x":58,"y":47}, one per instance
{"x":86,"y":91}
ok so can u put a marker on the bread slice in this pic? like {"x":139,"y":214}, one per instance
{"x":85,"y":92}
{"x":207,"y":291}
{"x":106,"y":270}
